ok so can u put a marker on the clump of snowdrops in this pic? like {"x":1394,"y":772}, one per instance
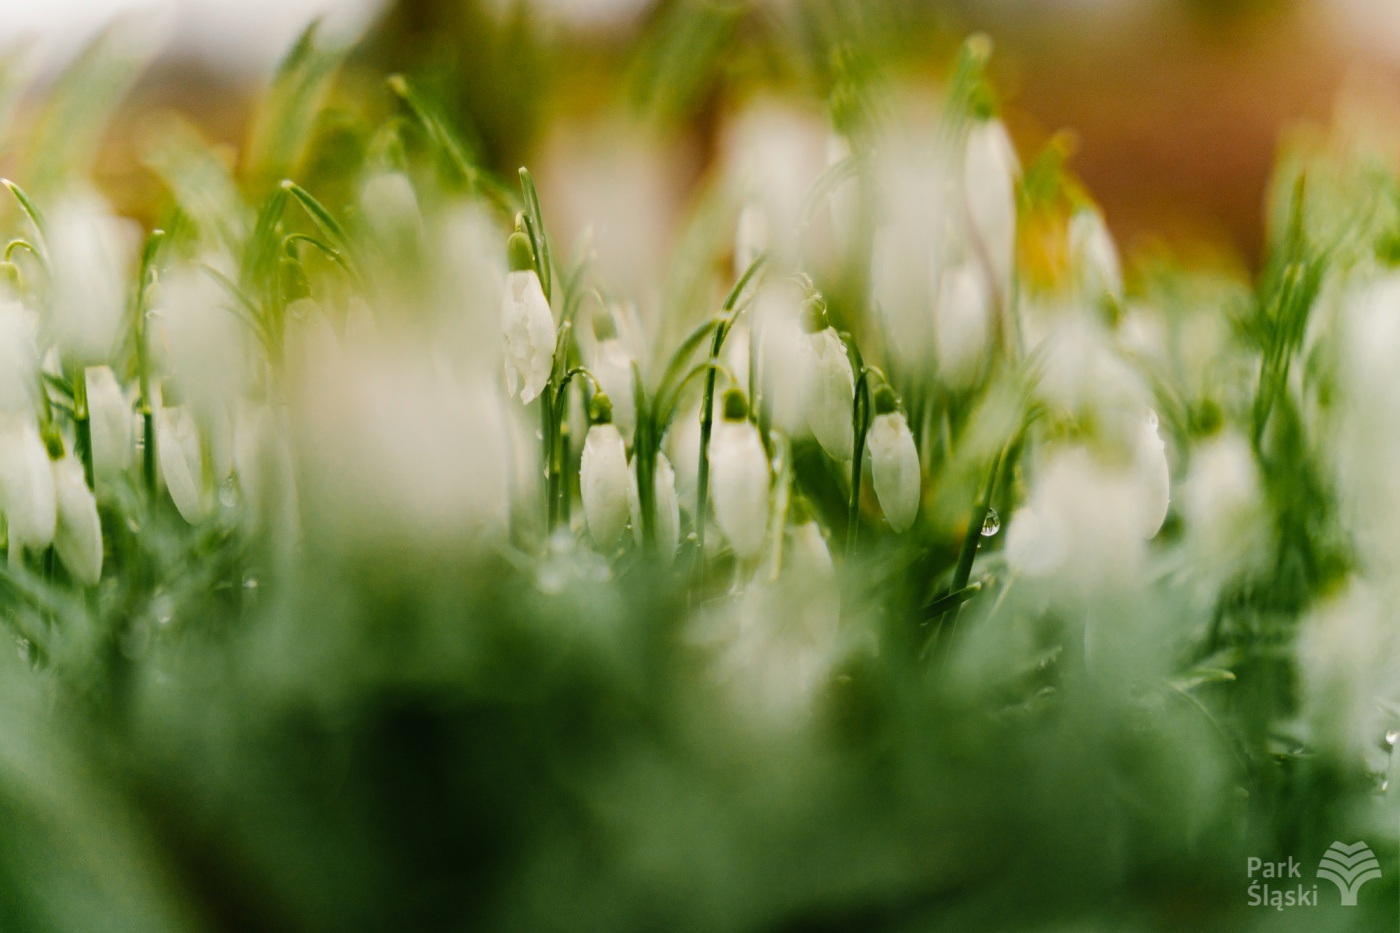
{"x":373,"y":559}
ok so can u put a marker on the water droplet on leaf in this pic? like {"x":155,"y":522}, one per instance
{"x":991,"y":523}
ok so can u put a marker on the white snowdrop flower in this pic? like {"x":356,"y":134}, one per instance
{"x":89,"y":252}
{"x":206,"y":346}
{"x":603,"y":476}
{"x":1084,"y":374}
{"x":738,"y":344}
{"x":390,"y":206}
{"x":1094,"y":257}
{"x":739,"y":477}
{"x":831,"y":384}
{"x":682,"y":445}
{"x":77,"y":530}
{"x":308,"y":335}
{"x":894,"y":462}
{"x":19,"y":359}
{"x":809,"y":555}
{"x":844,"y":197}
{"x":1081,"y":525}
{"x":527,"y":323}
{"x":777,"y":325}
{"x":110,"y":424}
{"x":750,"y":237}
{"x":665,"y":503}
{"x":1228,"y":526}
{"x":990,"y":172}
{"x":772,"y":153}
{"x":422,"y":452}
{"x":1349,"y":660}
{"x":962,"y":325}
{"x":26,"y":483}
{"x":1150,"y":463}
{"x":612,"y":367}
{"x":181,"y":461}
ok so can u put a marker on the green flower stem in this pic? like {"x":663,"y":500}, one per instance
{"x":31,"y":211}
{"x":971,"y":538}
{"x":707,"y":404}
{"x":82,"y":423}
{"x":645,"y":444}
{"x":143,"y":362}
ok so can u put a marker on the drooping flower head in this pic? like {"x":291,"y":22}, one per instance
{"x":526,"y":322}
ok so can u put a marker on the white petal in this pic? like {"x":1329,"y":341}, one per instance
{"x":78,"y":531}
{"x":990,"y":171}
{"x":739,"y":485}
{"x":832,"y":392}
{"x":612,"y":367}
{"x":603,"y":482}
{"x":1151,"y":460}
{"x":528,"y":326}
{"x":89,"y":250}
{"x":962,"y":325}
{"x":894,"y":469}
{"x":111,"y":424}
{"x":181,"y":466}
{"x":26,"y":484}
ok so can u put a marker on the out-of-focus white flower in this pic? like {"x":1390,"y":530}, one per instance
{"x":990,"y":171}
{"x":772,"y":155}
{"x":845,"y":196}
{"x":1094,"y":257}
{"x":666,"y":505}
{"x":528,"y":325}
{"x":777,"y":325}
{"x":19,"y":360}
{"x":612,"y":367}
{"x":206,"y":346}
{"x":603,"y":478}
{"x":831,"y":387}
{"x":739,"y":477}
{"x":27,"y":494}
{"x":181,"y":461}
{"x":390,"y":206}
{"x":1228,"y":527}
{"x":962,"y":325}
{"x":1150,"y":462}
{"x":682,"y":444}
{"x":894,"y":462}
{"x":110,"y":422}
{"x":750,"y":238}
{"x":26,"y":483}
{"x":1082,"y":524}
{"x":420,"y":452}
{"x":89,"y":252}
{"x":1084,"y":374}
{"x":77,"y":530}
{"x":1349,"y":660}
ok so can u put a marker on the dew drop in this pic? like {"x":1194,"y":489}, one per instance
{"x":23,"y":648}
{"x":1392,"y":737}
{"x":228,"y":493}
{"x":991,"y":523}
{"x":250,"y":583}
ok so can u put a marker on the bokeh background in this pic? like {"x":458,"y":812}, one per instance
{"x":1177,"y":106}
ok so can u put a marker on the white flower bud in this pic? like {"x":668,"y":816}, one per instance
{"x":665,"y":503}
{"x":528,"y":325}
{"x":603,"y":481}
{"x":89,"y":250}
{"x":1228,"y":526}
{"x":894,"y":468}
{"x":207,"y":346}
{"x":1150,"y":461}
{"x":390,"y":206}
{"x":831,"y":392}
{"x":1094,"y":256}
{"x":110,"y":424}
{"x":612,"y":367}
{"x":180,"y":461}
{"x":990,"y":170}
{"x":682,"y":444}
{"x":739,"y":482}
{"x":962,"y":325}
{"x":77,"y":531}
{"x":26,"y":484}
{"x":19,"y":360}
